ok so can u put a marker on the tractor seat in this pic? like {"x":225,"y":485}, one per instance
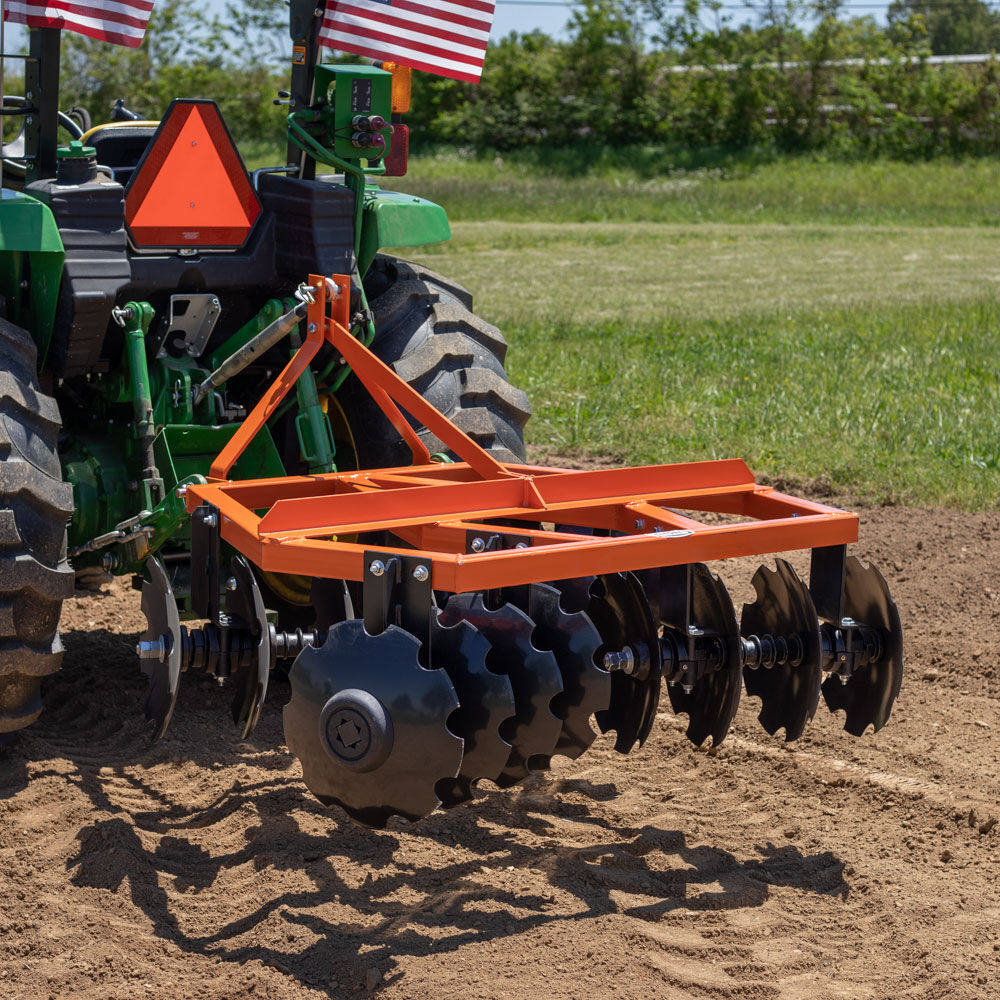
{"x":120,"y":145}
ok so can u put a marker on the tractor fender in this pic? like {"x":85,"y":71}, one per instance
{"x":394,"y":219}
{"x":31,"y":265}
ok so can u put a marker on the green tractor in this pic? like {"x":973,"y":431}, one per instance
{"x":110,"y":324}
{"x":203,"y":376}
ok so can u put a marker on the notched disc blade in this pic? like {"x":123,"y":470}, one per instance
{"x":711,"y":706}
{"x":486,"y":702}
{"x":163,"y":623}
{"x":868,"y":696}
{"x":534,"y":677}
{"x":417,"y":702}
{"x":575,"y":641}
{"x":245,"y":606}
{"x":619,"y":610}
{"x":789,"y":694}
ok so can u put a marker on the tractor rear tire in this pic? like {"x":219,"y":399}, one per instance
{"x":426,"y":332}
{"x":35,"y":505}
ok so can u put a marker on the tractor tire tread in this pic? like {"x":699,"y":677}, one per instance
{"x":19,"y":354}
{"x":35,"y":505}
{"x":428,"y":335}
{"x":387,"y":271}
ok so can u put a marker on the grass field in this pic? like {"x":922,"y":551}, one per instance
{"x":859,"y":352}
{"x":645,"y":188}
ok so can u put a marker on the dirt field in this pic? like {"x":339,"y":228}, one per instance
{"x":832,"y":868}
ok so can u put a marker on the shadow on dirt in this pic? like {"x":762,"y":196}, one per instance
{"x":329,"y":903}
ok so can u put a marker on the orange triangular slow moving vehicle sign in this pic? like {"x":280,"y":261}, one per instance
{"x":191,"y":189}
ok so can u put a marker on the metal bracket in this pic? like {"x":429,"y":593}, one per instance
{"x":483,"y":540}
{"x":827,"y":570}
{"x":205,"y":543}
{"x":397,"y":590}
{"x":190,"y":324}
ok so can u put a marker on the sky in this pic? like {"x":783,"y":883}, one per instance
{"x":523,"y":17}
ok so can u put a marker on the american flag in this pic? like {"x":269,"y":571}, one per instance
{"x":447,"y":37}
{"x":120,"y":21}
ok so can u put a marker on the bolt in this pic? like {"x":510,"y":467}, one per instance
{"x":478,"y":544}
{"x":192,"y":204}
{"x":311,"y":328}
{"x":688,"y":688}
{"x":182,"y":491}
{"x":421,"y":574}
{"x":209,"y":520}
{"x":640,"y":523}
{"x":152,"y":649}
{"x":623,"y":661}
{"x":521,"y":545}
{"x":377,"y":567}
{"x":194,"y":142}
{"x":843,"y":679}
{"x":231,"y":583}
{"x":847,"y":622}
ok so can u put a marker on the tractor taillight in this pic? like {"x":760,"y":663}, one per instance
{"x":399,"y":151}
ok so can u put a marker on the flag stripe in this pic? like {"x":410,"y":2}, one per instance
{"x":451,"y":46}
{"x":138,"y":7}
{"x":394,"y":54}
{"x":98,"y":31}
{"x":448,"y":38}
{"x":390,"y":40}
{"x":84,"y":14}
{"x":350,"y":12}
{"x":453,"y":13}
{"x":122,"y":22}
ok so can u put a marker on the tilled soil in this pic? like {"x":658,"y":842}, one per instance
{"x":199,"y":867}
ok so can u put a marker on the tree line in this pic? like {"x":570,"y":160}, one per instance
{"x":795,"y":75}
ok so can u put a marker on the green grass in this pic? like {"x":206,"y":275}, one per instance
{"x":892,"y":404}
{"x":646,"y":186}
{"x":863,"y":355}
{"x":648,"y":273}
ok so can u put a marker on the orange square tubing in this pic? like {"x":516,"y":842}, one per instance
{"x":435,"y":507}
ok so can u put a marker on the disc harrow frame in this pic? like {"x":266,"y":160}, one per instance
{"x":479,"y":524}
{"x":473,"y":617}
